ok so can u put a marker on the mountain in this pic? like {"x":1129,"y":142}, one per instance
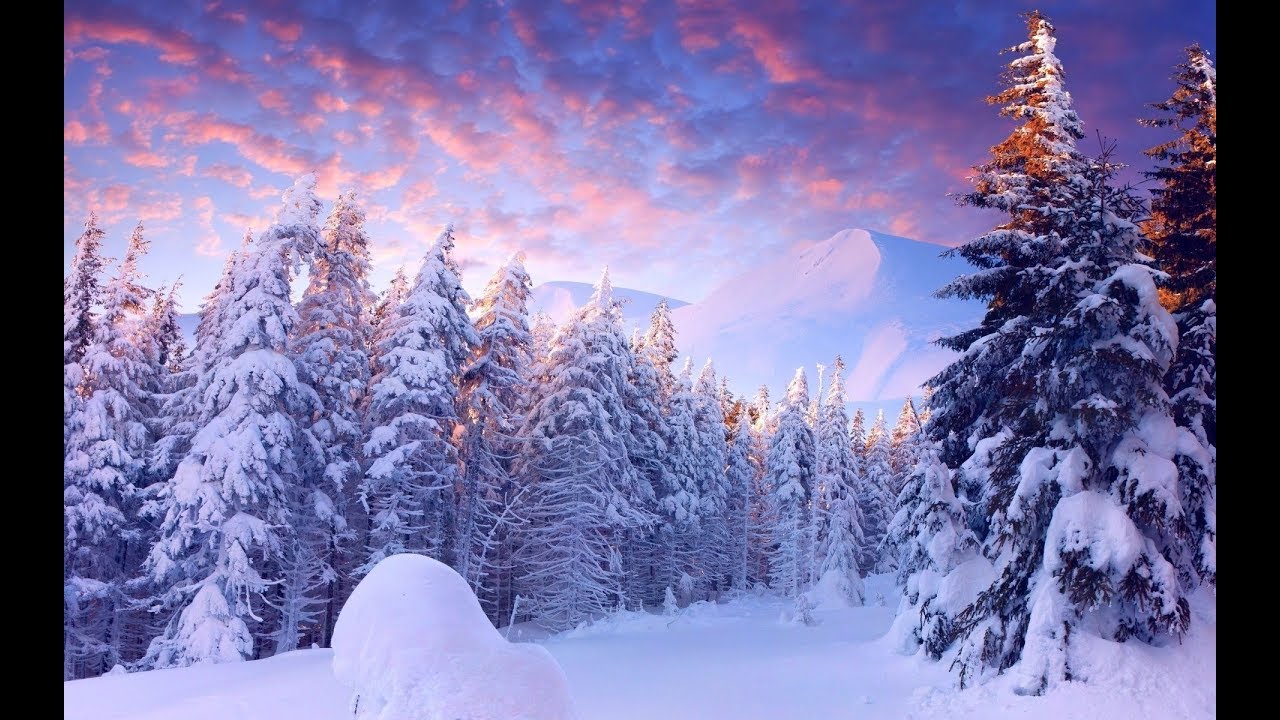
{"x":559,"y":298}
{"x":864,"y":295}
{"x":861,"y":294}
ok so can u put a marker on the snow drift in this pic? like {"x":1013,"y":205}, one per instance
{"x":413,"y":644}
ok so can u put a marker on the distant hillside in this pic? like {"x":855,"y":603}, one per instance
{"x":558,"y":299}
{"x":861,"y":294}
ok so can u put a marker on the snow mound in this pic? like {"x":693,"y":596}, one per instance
{"x":836,"y":591}
{"x":413,"y":644}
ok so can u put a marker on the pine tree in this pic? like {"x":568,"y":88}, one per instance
{"x":713,"y":488}
{"x":789,"y":475}
{"x":875,"y":497}
{"x":582,"y":483}
{"x":931,"y":539}
{"x":741,"y":473}
{"x":835,"y":507}
{"x":678,"y":501}
{"x":647,"y":447}
{"x":413,"y":465}
{"x":858,"y":435}
{"x":1183,"y":230}
{"x":1055,"y":406}
{"x":162,"y":325}
{"x":492,"y":392}
{"x":227,"y":520}
{"x":80,"y":292}
{"x":331,"y":345}
{"x":901,"y":443}
{"x":660,"y":344}
{"x":179,"y":415}
{"x":760,"y":509}
{"x":103,"y":471}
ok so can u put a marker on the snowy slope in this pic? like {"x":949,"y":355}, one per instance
{"x":559,"y":298}
{"x":861,"y":294}
{"x":733,"y":661}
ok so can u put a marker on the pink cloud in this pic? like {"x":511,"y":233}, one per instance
{"x":230,"y":174}
{"x":382,"y":179}
{"x":267,"y":151}
{"x":175,"y":46}
{"x":273,"y":100}
{"x":330,"y":103}
{"x":285,"y":32}
{"x":210,"y":244}
{"x":368,"y":108}
{"x":146,"y":159}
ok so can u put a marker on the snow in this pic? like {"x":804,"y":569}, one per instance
{"x":413,"y":644}
{"x":732,"y":661}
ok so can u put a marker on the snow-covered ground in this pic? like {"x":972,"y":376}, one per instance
{"x":734,"y":661}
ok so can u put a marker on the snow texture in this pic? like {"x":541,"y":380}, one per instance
{"x":730,"y":661}
{"x":412,"y":643}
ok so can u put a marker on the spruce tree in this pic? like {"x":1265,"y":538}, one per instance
{"x":104,"y":470}
{"x":492,"y":393}
{"x":741,"y":473}
{"x":408,"y":488}
{"x":226,"y":515}
{"x":931,"y":539}
{"x":713,"y":488}
{"x":80,"y":292}
{"x":679,"y":501}
{"x":835,"y":505}
{"x":331,"y":345}
{"x":789,"y":475}
{"x":760,"y":508}
{"x":583,"y":486}
{"x":875,"y":498}
{"x":644,"y":552}
{"x":1183,"y":229}
{"x":1055,"y":407}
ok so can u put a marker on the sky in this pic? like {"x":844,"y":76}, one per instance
{"x":677,"y":141}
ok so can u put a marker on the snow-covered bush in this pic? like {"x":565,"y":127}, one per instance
{"x":413,"y":644}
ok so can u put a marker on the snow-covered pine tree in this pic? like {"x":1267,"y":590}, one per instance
{"x":759,"y":502}
{"x":931,"y":539}
{"x":179,"y":415}
{"x":413,"y":465}
{"x":815,"y":404}
{"x":836,"y":482}
{"x":713,"y":488}
{"x":875,"y":498}
{"x":104,"y":468}
{"x":678,"y":500}
{"x":492,"y":392}
{"x":789,"y":475}
{"x":858,"y":436}
{"x":227,"y":520}
{"x":331,"y":345}
{"x":837,"y":556}
{"x":1183,"y":230}
{"x":583,"y":484}
{"x":80,"y":291}
{"x":389,"y":300}
{"x":1056,"y":403}
{"x":643,"y":552}
{"x":659,"y":344}
{"x":741,"y":473}
{"x":902,"y":445}
{"x":170,"y":344}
